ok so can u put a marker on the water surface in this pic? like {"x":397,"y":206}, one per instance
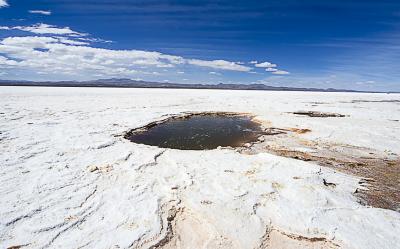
{"x":200,"y":132}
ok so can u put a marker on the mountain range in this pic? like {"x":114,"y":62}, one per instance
{"x":129,"y":83}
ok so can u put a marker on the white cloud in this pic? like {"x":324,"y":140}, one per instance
{"x":6,"y":62}
{"x":57,"y":56}
{"x":220,"y":64}
{"x":3,"y":3}
{"x":42,"y":28}
{"x":41,"y":12}
{"x":281,"y":72}
{"x":86,"y":39}
{"x":71,"y":42}
{"x":214,"y":73}
{"x":52,"y":50}
{"x":366,"y":82}
{"x":46,"y":29}
{"x":265,"y":64}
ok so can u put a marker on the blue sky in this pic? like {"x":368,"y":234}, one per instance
{"x":324,"y":44}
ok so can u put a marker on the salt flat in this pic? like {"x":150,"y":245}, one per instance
{"x":70,"y":180}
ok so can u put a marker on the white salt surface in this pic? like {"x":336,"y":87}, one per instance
{"x":69,"y":181}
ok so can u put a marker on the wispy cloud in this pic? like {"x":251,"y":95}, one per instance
{"x":41,"y":12}
{"x":68,"y":57}
{"x":63,"y":53}
{"x":58,"y":56}
{"x":3,"y":3}
{"x":269,"y":67}
{"x":71,"y":41}
{"x":214,"y":73}
{"x":338,"y":80}
{"x":42,"y":29}
{"x":220,"y":64}
{"x":265,"y":64}
{"x":280,"y":72}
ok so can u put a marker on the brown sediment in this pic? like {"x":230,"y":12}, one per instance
{"x":16,"y":247}
{"x":300,"y":131}
{"x":380,"y":183}
{"x":315,"y":114}
{"x":380,"y":173}
{"x":328,"y":184}
{"x":186,"y":229}
{"x":274,"y":131}
{"x":180,"y":224}
{"x":276,"y":239}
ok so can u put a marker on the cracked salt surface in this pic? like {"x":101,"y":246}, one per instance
{"x":69,"y":181}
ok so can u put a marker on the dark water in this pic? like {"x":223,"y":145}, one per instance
{"x":200,"y":132}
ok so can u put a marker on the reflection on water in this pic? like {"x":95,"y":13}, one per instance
{"x":200,"y":132}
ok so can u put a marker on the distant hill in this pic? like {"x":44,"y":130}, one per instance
{"x":128,"y":83}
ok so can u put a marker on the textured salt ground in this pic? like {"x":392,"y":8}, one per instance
{"x":70,"y":180}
